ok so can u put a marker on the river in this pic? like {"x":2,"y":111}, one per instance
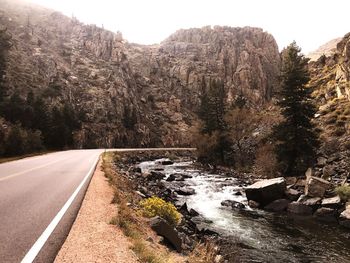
{"x":262,"y":236}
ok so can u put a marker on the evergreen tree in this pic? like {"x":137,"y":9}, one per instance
{"x":212,"y":113}
{"x":129,"y":117}
{"x":212,"y":107}
{"x":295,"y":135}
{"x":41,"y":116}
{"x":5,"y":45}
{"x":57,"y":130}
{"x":14,"y":144}
{"x":14,"y":110}
{"x":204,"y":104}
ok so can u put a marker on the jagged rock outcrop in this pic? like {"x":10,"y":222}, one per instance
{"x":247,"y":59}
{"x":330,"y":82}
{"x":107,"y":78}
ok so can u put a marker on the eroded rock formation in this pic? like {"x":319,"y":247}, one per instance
{"x":110,"y":80}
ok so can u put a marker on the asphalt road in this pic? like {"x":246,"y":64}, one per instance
{"x":39,"y":200}
{"x":32,"y":192}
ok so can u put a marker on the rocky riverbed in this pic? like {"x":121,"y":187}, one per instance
{"x":215,"y":207}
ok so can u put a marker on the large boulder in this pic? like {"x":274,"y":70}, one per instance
{"x":164,"y":229}
{"x":299,"y":209}
{"x":310,"y":201}
{"x":277,"y":205}
{"x":292,"y":194}
{"x":155,"y":176}
{"x":316,"y":187}
{"x":332,"y":202}
{"x":266,"y":191}
{"x":325,"y":214}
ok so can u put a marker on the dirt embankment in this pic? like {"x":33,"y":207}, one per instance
{"x":92,"y":237}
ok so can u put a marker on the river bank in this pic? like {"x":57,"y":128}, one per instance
{"x":243,"y":234}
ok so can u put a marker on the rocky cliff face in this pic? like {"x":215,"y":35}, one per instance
{"x":111,"y":80}
{"x":331,"y":88}
{"x":246,"y":59}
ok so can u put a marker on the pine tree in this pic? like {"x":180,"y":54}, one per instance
{"x":14,"y":144}
{"x":5,"y":45}
{"x":129,"y":117}
{"x":212,"y":112}
{"x":295,"y":135}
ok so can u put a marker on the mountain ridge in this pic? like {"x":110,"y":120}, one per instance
{"x":111,"y":80}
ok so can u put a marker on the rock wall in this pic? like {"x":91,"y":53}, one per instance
{"x":330,"y":82}
{"x":99,"y":72}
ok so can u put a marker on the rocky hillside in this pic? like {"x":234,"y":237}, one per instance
{"x":132,"y":95}
{"x":331,"y":85}
{"x":327,"y":49}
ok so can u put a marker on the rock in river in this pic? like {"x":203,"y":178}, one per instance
{"x":299,"y":209}
{"x":278,"y":205}
{"x":185,"y":191}
{"x":326,"y":214}
{"x":233,"y":204}
{"x":266,"y":191}
{"x":155,"y":176}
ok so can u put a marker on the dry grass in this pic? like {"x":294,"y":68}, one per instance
{"x":128,"y":219}
{"x":204,"y":253}
{"x":144,"y":253}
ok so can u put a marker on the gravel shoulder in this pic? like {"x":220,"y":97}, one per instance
{"x":92,"y":238}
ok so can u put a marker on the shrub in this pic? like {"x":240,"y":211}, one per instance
{"x":343,"y":191}
{"x":266,"y":161}
{"x":156,"y":206}
{"x":145,"y":254}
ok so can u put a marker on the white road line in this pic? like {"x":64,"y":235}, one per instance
{"x":35,"y":249}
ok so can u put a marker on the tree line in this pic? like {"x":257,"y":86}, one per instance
{"x":35,"y":125}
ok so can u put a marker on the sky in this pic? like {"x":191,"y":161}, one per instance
{"x":310,"y":23}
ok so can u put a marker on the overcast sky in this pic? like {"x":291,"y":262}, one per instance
{"x":310,"y":22}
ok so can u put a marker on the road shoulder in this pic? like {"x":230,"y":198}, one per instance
{"x":92,"y":238}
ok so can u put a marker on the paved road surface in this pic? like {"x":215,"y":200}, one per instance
{"x":39,"y":200}
{"x":32,"y":192}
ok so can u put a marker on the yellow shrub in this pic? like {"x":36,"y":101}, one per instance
{"x":155,"y":206}
{"x":344,"y":192}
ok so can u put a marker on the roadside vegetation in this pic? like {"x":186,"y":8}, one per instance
{"x":132,"y":219}
{"x":156,"y":206}
{"x":129,"y":218}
